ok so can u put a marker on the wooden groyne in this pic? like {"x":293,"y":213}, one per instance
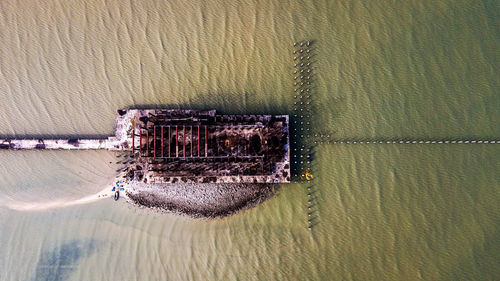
{"x":303,"y":110}
{"x":327,"y":139}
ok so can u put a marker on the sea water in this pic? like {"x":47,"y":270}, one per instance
{"x":382,"y":70}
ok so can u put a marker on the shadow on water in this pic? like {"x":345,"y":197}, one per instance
{"x":59,"y":263}
{"x":221,"y":105}
{"x":218,"y":106}
{"x":138,"y":106}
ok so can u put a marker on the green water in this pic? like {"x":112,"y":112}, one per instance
{"x":383,"y":70}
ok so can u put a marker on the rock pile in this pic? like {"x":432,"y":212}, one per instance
{"x":212,"y":200}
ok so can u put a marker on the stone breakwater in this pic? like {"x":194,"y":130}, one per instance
{"x":211,"y":200}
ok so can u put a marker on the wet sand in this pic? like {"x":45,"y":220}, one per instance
{"x":61,"y":203}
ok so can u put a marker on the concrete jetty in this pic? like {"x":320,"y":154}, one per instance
{"x":70,"y":144}
{"x":120,"y":142}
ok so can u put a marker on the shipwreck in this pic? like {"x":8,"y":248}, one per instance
{"x":189,"y":146}
{"x":193,"y":162}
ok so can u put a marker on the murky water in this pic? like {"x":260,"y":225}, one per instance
{"x":383,"y":69}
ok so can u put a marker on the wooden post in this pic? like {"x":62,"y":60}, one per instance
{"x":154,"y":141}
{"x":162,"y":155}
{"x":198,"y":141}
{"x":169,"y":140}
{"x":191,"y":141}
{"x":206,"y":144}
{"x":183,"y":141}
{"x":176,"y":141}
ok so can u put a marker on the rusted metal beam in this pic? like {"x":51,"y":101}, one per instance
{"x":206,"y":143}
{"x":140,"y":141}
{"x":154,"y":141}
{"x":162,"y":155}
{"x":169,"y":140}
{"x":147,"y":142}
{"x":183,"y":141}
{"x":133,"y":143}
{"x":133,"y":136}
{"x":191,"y":141}
{"x":198,"y":141}
{"x":176,"y":141}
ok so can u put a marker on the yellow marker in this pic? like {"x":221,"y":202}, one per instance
{"x":309,"y":176}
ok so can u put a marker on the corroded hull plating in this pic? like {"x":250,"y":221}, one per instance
{"x":195,"y":146}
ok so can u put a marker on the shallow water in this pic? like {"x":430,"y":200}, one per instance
{"x":383,"y":70}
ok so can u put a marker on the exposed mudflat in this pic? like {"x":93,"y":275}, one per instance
{"x":211,"y":200}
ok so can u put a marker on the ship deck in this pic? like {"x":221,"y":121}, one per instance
{"x":199,"y":146}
